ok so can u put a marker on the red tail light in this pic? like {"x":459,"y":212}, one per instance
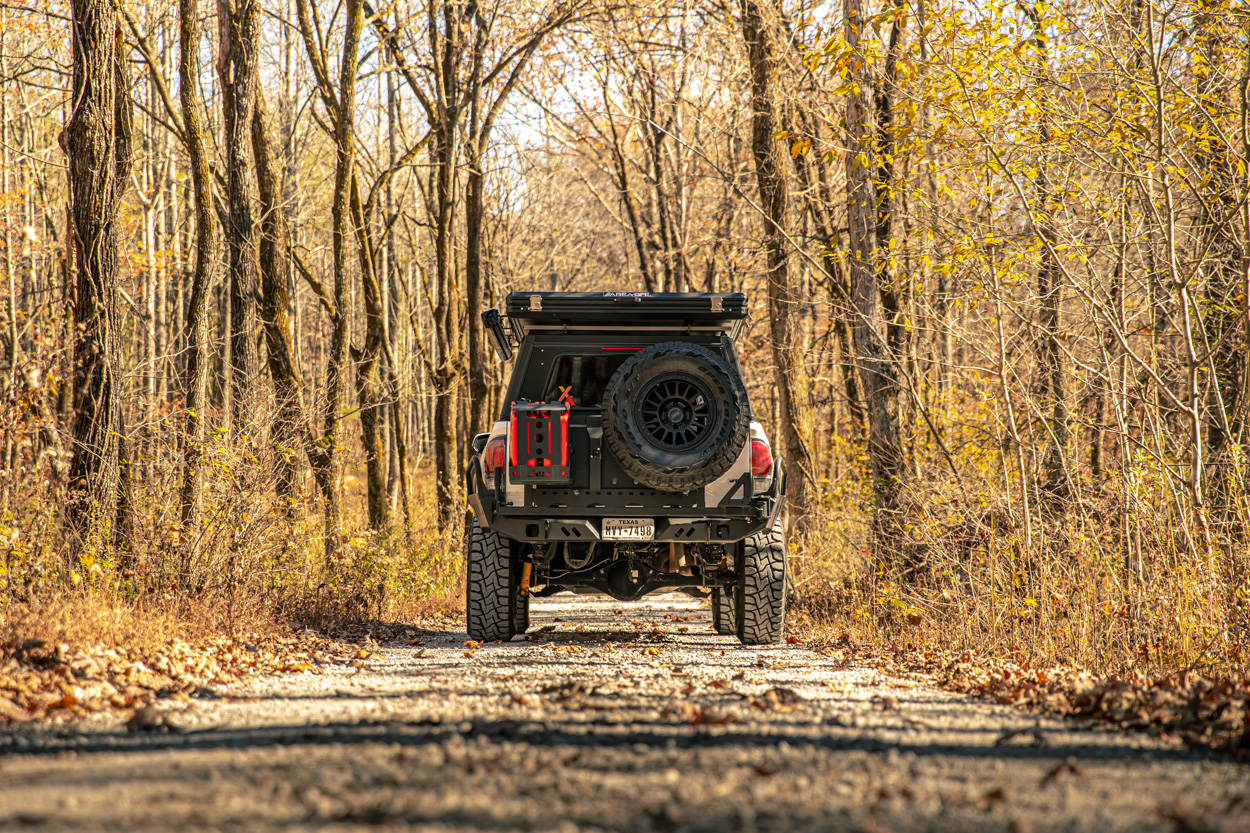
{"x":493,"y":454}
{"x":761,"y":459}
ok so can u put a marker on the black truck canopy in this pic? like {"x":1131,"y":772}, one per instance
{"x":705,"y":312}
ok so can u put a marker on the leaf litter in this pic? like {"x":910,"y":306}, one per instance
{"x":41,"y":682}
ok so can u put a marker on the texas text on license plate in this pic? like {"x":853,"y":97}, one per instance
{"x":628,"y":529}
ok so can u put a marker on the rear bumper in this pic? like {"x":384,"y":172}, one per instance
{"x":712,"y":524}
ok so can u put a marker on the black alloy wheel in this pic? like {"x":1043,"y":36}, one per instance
{"x":676,"y":412}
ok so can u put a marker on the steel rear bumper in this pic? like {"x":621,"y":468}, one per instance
{"x":539,"y":524}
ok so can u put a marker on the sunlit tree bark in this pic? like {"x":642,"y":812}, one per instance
{"x":97,"y":143}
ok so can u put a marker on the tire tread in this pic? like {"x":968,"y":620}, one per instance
{"x":761,"y":595}
{"x":488,"y":592}
{"x":722,"y":611}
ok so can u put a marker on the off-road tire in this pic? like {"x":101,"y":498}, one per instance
{"x":722,"y":611}
{"x":715,"y":448}
{"x":761,"y":593}
{"x":521,"y":613}
{"x":490,"y":597}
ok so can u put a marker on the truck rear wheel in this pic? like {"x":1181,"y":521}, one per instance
{"x":521,"y":616}
{"x":722,"y":611}
{"x":761,"y":592}
{"x":490,"y":594}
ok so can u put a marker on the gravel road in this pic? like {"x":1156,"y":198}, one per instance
{"x":621,"y":717}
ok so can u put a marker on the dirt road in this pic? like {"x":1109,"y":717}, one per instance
{"x":621,"y":717}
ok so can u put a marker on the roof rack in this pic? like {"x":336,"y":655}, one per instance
{"x":709,"y":312}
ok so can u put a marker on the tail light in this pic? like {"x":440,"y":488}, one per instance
{"x":761,"y":458}
{"x":493,"y":456}
{"x":761,"y":465}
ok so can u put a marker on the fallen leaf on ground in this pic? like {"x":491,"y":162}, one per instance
{"x":707,"y":717}
{"x":1034,"y":737}
{"x":681,"y":710}
{"x":778,"y":699}
{"x":494,"y":729}
{"x":146,"y":719}
{"x":1191,"y":818}
{"x":1070,"y":766}
{"x":998,"y":795}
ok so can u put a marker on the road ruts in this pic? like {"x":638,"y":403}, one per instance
{"x":612,"y":717}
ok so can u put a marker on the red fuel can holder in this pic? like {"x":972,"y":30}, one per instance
{"x":539,"y":451}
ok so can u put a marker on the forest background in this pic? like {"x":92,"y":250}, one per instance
{"x":996,"y":254}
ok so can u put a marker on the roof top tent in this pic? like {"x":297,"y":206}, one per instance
{"x":679,"y":312}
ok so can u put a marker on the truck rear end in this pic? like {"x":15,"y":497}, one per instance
{"x":625,"y":458}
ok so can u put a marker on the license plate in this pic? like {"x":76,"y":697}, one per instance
{"x":628,"y":529}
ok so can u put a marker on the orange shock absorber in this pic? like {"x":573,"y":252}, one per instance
{"x":526,"y":567}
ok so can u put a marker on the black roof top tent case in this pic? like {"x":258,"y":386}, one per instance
{"x":572,"y":311}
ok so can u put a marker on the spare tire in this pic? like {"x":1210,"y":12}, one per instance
{"x":675,"y":416}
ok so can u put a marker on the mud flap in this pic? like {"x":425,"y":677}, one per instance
{"x":777,"y":492}
{"x":475,"y":490}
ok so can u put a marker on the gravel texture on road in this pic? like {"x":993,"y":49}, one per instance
{"x":607,"y":716}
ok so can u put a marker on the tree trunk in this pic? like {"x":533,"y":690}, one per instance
{"x":197,"y":363}
{"x":872,"y":356}
{"x":390,"y":290}
{"x":369,"y":388}
{"x":447,"y":376}
{"x":338,"y":371}
{"x":237,"y":64}
{"x":770,"y":171}
{"x":473,"y":285}
{"x":1225,"y":318}
{"x":97,"y":142}
{"x":1050,"y":291}
{"x":289,"y":424}
{"x":893,"y":291}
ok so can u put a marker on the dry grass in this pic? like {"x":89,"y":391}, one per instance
{"x":84,"y":631}
{"x":255,"y":568}
{"x":1085,"y":610}
{"x":1059,"y":593}
{"x":95,"y":618}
